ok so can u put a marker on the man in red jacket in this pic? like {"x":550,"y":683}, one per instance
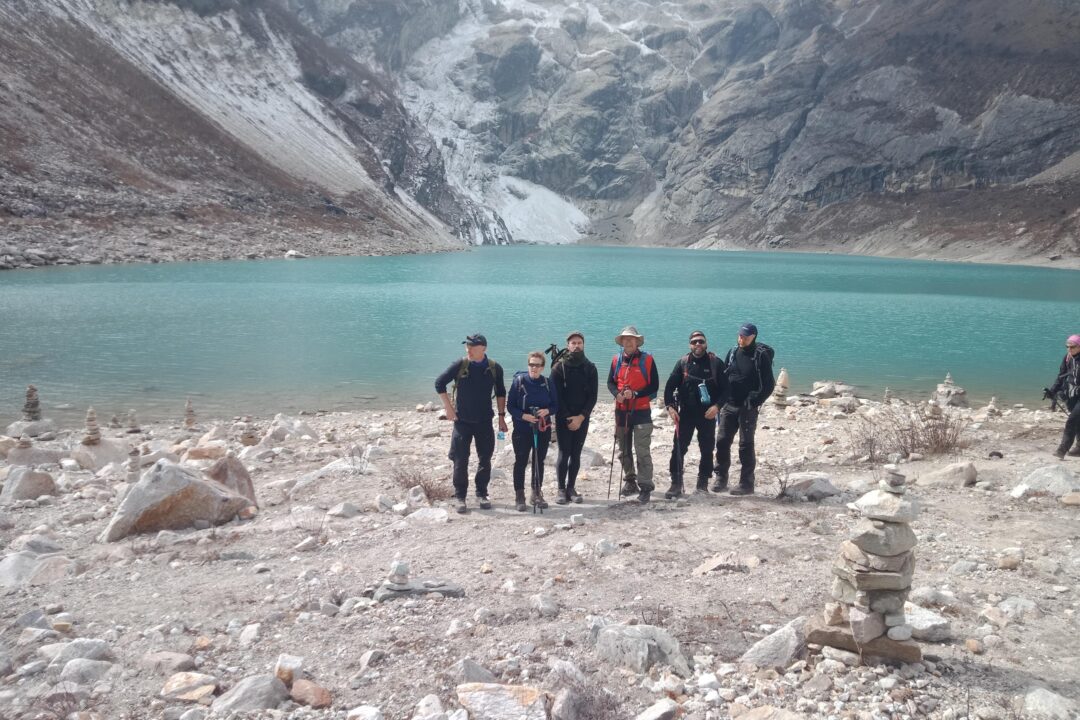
{"x":633,"y":380}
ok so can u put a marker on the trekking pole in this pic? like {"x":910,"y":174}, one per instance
{"x":614,"y":442}
{"x":535,"y":472}
{"x":679,"y":455}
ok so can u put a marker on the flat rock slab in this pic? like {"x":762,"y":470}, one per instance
{"x":781,"y":648}
{"x":490,"y":701}
{"x":666,"y":709}
{"x":639,"y":647}
{"x":901,"y":651}
{"x":419,"y":586}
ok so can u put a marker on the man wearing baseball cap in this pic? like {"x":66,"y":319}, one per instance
{"x":476,"y":379}
{"x":693,"y":395}
{"x":750,"y":382}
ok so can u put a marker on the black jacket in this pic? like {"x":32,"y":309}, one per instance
{"x":685,"y":377}
{"x":750,"y":376}
{"x":577,"y":386}
{"x":474,"y":391}
{"x":1068,"y":379}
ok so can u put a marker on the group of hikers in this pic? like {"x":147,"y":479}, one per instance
{"x":1066,"y":391}
{"x":712,"y":397}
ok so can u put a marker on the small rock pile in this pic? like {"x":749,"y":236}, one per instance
{"x":872,"y":578}
{"x":32,"y":408}
{"x":189,"y":415}
{"x":93,"y":432}
{"x":949,"y":394}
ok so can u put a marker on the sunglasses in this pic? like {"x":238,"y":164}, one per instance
{"x":536,"y":364}
{"x":697,"y":342}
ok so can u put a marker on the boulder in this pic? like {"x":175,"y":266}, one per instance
{"x":961,"y":474}
{"x":468,"y":670}
{"x":1042,"y":704}
{"x":189,"y":686}
{"x":172,"y":497}
{"x":926,"y":624}
{"x":306,"y":692}
{"x":231,"y":473}
{"x":29,"y":568}
{"x":95,"y":457}
{"x":888,"y":507}
{"x":212,"y":450}
{"x":639,"y":647}
{"x":34,"y":455}
{"x":781,"y":648}
{"x":813,"y":486}
{"x":85,"y":672}
{"x":284,"y":428}
{"x":84,"y":649}
{"x":255,"y":692}
{"x":30,"y":428}
{"x":488,"y":701}
{"x":1056,"y":480}
{"x":883,"y":538}
{"x":666,"y":709}
{"x":26,"y":483}
{"x":6,"y":445}
{"x":167,"y":663}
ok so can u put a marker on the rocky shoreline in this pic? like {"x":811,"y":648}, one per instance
{"x":324,"y":577}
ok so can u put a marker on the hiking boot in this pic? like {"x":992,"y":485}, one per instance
{"x":630,"y":488}
{"x":519,"y":502}
{"x":560,"y":497}
{"x":719,"y":485}
{"x":702,"y":487}
{"x":1075,"y":452}
{"x":643,"y":497}
{"x":538,"y":500}
{"x":575,"y":497}
{"x":1059,"y":454}
{"x":462,"y":508}
{"x":742,"y":490}
{"x":485,"y":504}
{"x":674,"y":491}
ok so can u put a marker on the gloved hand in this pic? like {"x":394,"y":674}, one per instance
{"x":1047,"y":393}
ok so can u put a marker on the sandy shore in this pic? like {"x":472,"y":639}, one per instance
{"x":297,"y":577}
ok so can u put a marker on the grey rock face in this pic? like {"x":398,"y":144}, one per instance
{"x":257,"y":692}
{"x":639,"y":647}
{"x":26,"y":483}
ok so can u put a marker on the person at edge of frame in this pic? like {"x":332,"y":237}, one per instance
{"x":693,"y":395}
{"x":633,"y":380}
{"x":476,"y":379}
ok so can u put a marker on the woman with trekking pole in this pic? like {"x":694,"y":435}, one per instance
{"x":533,"y":402}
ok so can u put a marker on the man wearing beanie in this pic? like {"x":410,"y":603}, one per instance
{"x":1068,"y":386}
{"x":750,"y":382}
{"x":577,"y":382}
{"x":693,"y":395}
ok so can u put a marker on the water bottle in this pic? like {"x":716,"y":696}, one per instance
{"x":500,"y":441}
{"x":703,"y":393}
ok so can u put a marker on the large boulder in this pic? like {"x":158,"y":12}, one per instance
{"x":172,"y":497}
{"x":1056,"y":480}
{"x":34,"y":455}
{"x":30,"y":428}
{"x":231,"y":473}
{"x":1042,"y":704}
{"x":287,"y":428}
{"x":95,"y":457}
{"x":26,"y":483}
{"x":639,"y":647}
{"x":813,"y":486}
{"x":256,"y":692}
{"x":961,"y":474}
{"x":781,"y":648}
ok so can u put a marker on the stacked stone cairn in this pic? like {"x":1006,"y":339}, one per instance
{"x":133,"y":423}
{"x":32,"y":409}
{"x":249,"y":434}
{"x":93,"y":432}
{"x":888,"y":396}
{"x":783,"y":382}
{"x":189,"y":415}
{"x":872,"y":578}
{"x":992,"y":410}
{"x":134,"y":465}
{"x":949,"y":394}
{"x":114,"y":423}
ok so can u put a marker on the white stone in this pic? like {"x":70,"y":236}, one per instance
{"x":1055,"y":480}
{"x":927,"y":625}
{"x":666,"y":709}
{"x":1042,"y":704}
{"x":492,"y":701}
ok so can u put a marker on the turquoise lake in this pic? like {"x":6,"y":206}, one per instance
{"x":349,"y":333}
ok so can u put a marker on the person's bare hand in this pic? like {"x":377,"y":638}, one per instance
{"x":673,"y":414}
{"x":712,"y":412}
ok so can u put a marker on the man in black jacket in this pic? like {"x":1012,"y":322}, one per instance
{"x":577,"y":381}
{"x":476,"y":378}
{"x":750,"y":382}
{"x":693,"y":395}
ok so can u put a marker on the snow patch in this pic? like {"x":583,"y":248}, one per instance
{"x":534,"y":213}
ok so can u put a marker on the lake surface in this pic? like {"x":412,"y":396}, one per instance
{"x":348,"y":333}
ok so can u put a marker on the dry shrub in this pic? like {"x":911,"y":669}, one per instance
{"x":310,"y":522}
{"x":906,"y":430}
{"x":435,"y":489}
{"x":780,"y":471}
{"x":592,"y":701}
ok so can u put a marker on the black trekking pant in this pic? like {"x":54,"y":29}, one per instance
{"x":1072,"y":424}
{"x":689,"y":422}
{"x":484,"y":436}
{"x":571,"y":443}
{"x":733,"y":419}
{"x":522,"y":439}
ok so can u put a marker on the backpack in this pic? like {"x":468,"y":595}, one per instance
{"x":645,"y":363}
{"x":760,"y":350}
{"x":463,"y":372}
{"x":686,"y":366}
{"x":519,"y":382}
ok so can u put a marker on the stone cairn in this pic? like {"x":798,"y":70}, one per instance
{"x":992,"y":410}
{"x":134,"y":464}
{"x":872,"y":578}
{"x":93,"y":432}
{"x":779,"y":396}
{"x":133,"y":423}
{"x":114,"y":423}
{"x":189,"y":415}
{"x":888,"y":397}
{"x":398,"y":577}
{"x":949,"y":394}
{"x":249,"y":435}
{"x":32,"y":409}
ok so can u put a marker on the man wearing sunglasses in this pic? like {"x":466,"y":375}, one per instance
{"x":693,"y":395}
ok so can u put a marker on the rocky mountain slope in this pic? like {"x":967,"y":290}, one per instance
{"x":879,"y":127}
{"x":167,"y":129}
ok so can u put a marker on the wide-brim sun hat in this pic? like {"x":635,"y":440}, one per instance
{"x":629,"y":331}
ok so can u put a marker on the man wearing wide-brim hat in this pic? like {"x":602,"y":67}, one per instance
{"x":633,"y":380}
